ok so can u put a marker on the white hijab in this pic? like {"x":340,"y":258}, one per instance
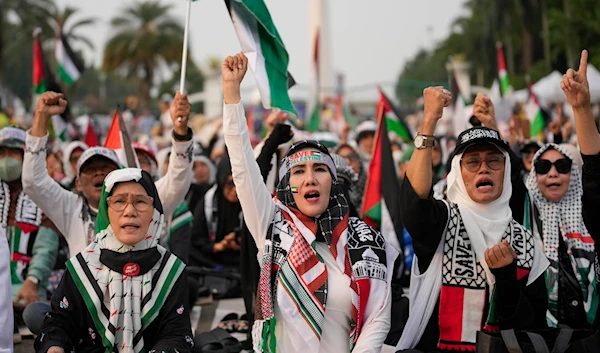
{"x":485,"y":223}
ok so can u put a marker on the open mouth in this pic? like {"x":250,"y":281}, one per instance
{"x":130,"y":226}
{"x":553,"y":185}
{"x":312,"y":196}
{"x":484,"y":184}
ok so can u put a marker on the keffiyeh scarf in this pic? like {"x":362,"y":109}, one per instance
{"x":123,"y":300}
{"x":294,"y":277}
{"x":564,"y":219}
{"x":28,"y":218}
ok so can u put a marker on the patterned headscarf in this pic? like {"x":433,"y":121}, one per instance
{"x":124,"y":287}
{"x":564,"y":219}
{"x":338,"y":205}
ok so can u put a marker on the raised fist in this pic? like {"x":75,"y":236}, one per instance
{"x":234,"y":68}
{"x":49,"y":104}
{"x":435,"y":100}
{"x":500,"y":255}
{"x":483,"y":109}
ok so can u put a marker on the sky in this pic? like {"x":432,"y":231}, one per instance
{"x":371,"y":40}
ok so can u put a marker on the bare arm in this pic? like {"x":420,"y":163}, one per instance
{"x":419,"y":168}
{"x":577,"y":90}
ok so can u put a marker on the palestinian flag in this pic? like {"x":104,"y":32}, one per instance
{"x":314,"y":108}
{"x":265,"y":50}
{"x":70,"y":66}
{"x":381,"y":205}
{"x":534,"y":114}
{"x":118,"y":140}
{"x":394,"y":119}
{"x":43,"y":79}
{"x":502,"y":74}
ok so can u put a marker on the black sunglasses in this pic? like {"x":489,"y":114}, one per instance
{"x":543,"y":166}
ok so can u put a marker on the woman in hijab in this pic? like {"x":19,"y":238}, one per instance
{"x":353,"y":159}
{"x":555,"y":217}
{"x":217,"y":224}
{"x":124,"y":292}
{"x":71,"y":153}
{"x":475,"y":268}
{"x":324,"y":283}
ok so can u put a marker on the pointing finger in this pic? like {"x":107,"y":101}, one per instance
{"x":583,"y":64}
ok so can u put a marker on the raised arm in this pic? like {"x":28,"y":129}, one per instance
{"x":173,"y":187}
{"x":577,"y":90}
{"x":256,"y":201}
{"x":57,"y":203}
{"x":419,"y":168}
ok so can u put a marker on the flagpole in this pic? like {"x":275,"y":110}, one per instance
{"x":185,"y":51}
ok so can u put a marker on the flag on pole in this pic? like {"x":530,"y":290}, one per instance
{"x":43,"y":79}
{"x":70,"y":67}
{"x":265,"y":50}
{"x":90,"y":136}
{"x":118,"y":140}
{"x":394,"y":119}
{"x":314,"y":108}
{"x":381,"y":205}
{"x":534,"y":114}
{"x":502,"y":73}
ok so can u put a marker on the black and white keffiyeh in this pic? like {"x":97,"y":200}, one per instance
{"x":563,"y":219}
{"x":124,"y":287}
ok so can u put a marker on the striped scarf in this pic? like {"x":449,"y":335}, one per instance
{"x":564,"y":219}
{"x":464,"y":293}
{"x":122,"y":303}
{"x":28,"y":218}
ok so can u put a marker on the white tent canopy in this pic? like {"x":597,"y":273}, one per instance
{"x":548,"y":88}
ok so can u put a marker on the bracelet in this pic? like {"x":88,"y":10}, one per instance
{"x":185,"y":137}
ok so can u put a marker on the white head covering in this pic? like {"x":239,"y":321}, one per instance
{"x":67,"y":151}
{"x":213,"y":170}
{"x":485,"y":223}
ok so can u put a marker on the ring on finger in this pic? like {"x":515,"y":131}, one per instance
{"x":445,"y":91}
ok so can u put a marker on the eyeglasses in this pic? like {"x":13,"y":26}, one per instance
{"x":494,"y":162}
{"x":139,"y":202}
{"x":543,"y":166}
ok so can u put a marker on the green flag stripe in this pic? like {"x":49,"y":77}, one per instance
{"x":397,"y":127}
{"x":64,"y":75}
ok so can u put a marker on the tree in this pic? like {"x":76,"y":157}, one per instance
{"x":147,"y":38}
{"x":59,"y":19}
{"x":28,"y":14}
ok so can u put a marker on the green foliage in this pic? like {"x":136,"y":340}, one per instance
{"x":146,"y":38}
{"x":519,"y":25}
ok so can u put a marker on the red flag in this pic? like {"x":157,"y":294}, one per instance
{"x":118,"y":140}
{"x":90,"y":137}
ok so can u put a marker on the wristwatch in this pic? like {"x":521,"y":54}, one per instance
{"x":423,"y":141}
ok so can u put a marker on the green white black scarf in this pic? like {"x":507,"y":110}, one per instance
{"x":113,"y":296}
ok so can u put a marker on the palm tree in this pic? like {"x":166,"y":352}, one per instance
{"x":147,"y":37}
{"x":60,"y":18}
{"x":29,"y":14}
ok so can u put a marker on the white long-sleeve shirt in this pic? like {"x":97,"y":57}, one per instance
{"x":259,"y":208}
{"x":66,"y":209}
